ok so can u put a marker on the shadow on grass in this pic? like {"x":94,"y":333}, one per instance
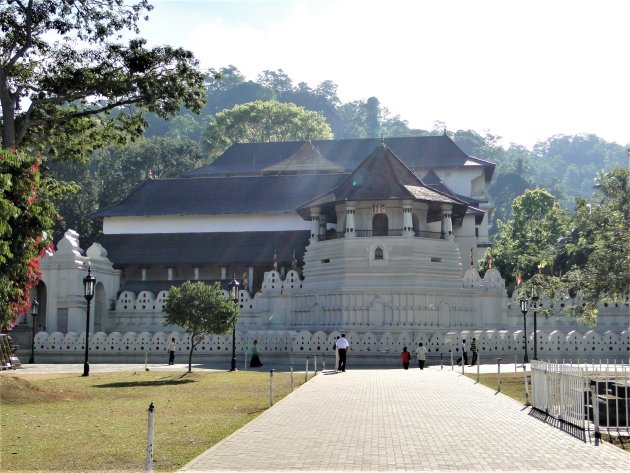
{"x":157,"y":382}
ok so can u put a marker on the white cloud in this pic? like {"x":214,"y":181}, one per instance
{"x":522,"y":69}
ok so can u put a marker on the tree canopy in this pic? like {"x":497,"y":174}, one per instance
{"x":582,"y":256}
{"x":201,"y":309}
{"x":259,"y":121}
{"x":69,"y":85}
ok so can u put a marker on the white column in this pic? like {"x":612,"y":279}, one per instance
{"x":350,"y":222}
{"x":447,"y":222}
{"x":223,"y":272}
{"x":144,"y":274}
{"x":314,"y":223}
{"x":322,"y":227}
{"x":196,"y":270}
{"x":250,"y":279}
{"x":169,"y":273}
{"x":407,"y":221}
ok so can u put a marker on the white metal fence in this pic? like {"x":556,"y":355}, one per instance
{"x":589,"y":396}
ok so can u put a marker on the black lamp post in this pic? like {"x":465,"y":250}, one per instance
{"x":234,"y":285}
{"x":535,"y":301}
{"x":89,"y":282}
{"x":34,"y":307}
{"x":524,"y":306}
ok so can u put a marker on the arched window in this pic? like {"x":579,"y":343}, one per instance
{"x":378,"y":253}
{"x":379,"y":225}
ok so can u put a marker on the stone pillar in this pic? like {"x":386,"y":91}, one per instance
{"x":447,"y":222}
{"x":169,"y":273}
{"x":144,"y":274}
{"x":322,"y":227}
{"x":223,"y":272}
{"x":350,"y":222}
{"x":196,"y":271}
{"x":407,"y":221}
{"x":314,"y":223}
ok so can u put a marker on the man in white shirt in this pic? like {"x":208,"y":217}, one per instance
{"x":464,"y":354}
{"x":342,"y":347}
{"x":421,"y":353}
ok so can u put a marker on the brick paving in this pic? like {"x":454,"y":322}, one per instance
{"x":396,"y":420}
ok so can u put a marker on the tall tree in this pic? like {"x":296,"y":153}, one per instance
{"x":62,"y":72}
{"x":25,"y":212}
{"x":263,"y":122}
{"x":68,"y":85}
{"x":201,"y":309}
{"x":595,"y":254}
{"x":526,"y":243}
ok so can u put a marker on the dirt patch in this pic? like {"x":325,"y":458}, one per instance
{"x":15,"y":390}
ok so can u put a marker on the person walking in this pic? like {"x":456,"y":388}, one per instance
{"x":464,"y":354}
{"x":342,"y":348}
{"x":171,"y":351}
{"x":405,"y":357}
{"x":421,"y":354}
{"x":473,"y":349}
{"x":336,"y":354}
{"x":255,"y":361}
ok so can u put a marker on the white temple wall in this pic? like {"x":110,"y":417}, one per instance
{"x":204,"y":223}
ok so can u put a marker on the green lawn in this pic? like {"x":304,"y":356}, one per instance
{"x":512,"y":384}
{"x":72,"y":423}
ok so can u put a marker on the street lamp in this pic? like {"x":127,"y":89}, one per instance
{"x":34,"y":307}
{"x":89,"y":282}
{"x":234,"y":285}
{"x":535,"y":301}
{"x":524,"y":303}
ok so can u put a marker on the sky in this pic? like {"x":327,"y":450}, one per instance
{"x":524,"y":70}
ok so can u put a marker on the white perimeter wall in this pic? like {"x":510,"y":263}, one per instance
{"x":205,"y":223}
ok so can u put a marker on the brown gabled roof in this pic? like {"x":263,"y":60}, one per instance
{"x":306,"y":160}
{"x":381,"y":176}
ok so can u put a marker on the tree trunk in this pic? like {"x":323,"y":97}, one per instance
{"x":8,"y":112}
{"x":192,"y":347}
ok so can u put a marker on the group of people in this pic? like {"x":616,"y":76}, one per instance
{"x":464,"y":355}
{"x":421,"y":355}
{"x":341,"y":346}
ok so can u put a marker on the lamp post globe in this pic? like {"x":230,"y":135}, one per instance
{"x":89,"y":283}
{"x":234,"y":286}
{"x":34,"y":311}
{"x":524,"y":303}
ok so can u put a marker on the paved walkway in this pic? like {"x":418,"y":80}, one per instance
{"x":396,"y":420}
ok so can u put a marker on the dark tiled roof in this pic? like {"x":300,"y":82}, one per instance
{"x":212,"y":196}
{"x":382,"y":176}
{"x":204,"y":248}
{"x":416,"y":152}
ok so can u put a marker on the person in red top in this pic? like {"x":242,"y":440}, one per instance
{"x":405,"y":356}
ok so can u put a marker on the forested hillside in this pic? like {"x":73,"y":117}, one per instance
{"x":566,"y":166}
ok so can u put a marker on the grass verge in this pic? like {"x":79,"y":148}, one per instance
{"x":72,"y":423}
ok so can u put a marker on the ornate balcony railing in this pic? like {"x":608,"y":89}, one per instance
{"x":390,"y":233}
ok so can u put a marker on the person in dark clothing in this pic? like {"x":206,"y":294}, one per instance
{"x":473,"y":349}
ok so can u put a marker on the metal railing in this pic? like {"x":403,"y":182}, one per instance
{"x":589,"y":396}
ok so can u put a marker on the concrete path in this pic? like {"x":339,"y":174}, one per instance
{"x":396,"y":420}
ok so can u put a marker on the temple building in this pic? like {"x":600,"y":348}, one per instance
{"x":374,"y":238}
